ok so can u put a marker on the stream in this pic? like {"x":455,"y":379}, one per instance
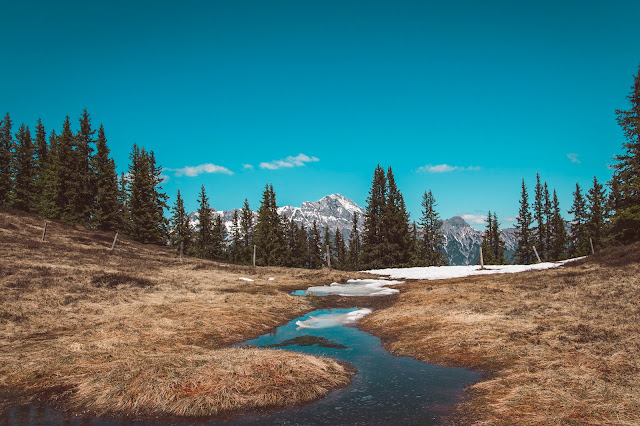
{"x":386,"y":389}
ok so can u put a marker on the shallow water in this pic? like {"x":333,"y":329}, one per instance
{"x":385,"y":390}
{"x":358,"y":287}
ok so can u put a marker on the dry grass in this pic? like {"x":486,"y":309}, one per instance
{"x":137,"y":332}
{"x":560,"y":346}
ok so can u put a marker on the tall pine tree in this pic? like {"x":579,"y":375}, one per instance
{"x":374,"y":236}
{"x":106,"y":207}
{"x":558,"y":231}
{"x":181,"y":232}
{"x":524,"y":253}
{"x":539,"y":217}
{"x":6,"y":153}
{"x":24,"y":184}
{"x":431,"y":250}
{"x":598,"y":213}
{"x":355,"y":245}
{"x":579,"y":243}
{"x":625,"y":221}
{"x":204,"y":229}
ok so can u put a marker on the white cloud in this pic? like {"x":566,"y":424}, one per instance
{"x":193,"y":171}
{"x":476,"y":219}
{"x":247,"y":166}
{"x":573,"y":157}
{"x":510,"y":219}
{"x":298,"y":160}
{"x":444,"y":168}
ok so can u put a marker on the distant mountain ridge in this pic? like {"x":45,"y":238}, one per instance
{"x":462,"y":242}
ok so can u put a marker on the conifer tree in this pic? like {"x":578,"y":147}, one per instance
{"x":539,"y":217}
{"x":83,"y":198}
{"x":558,"y":232}
{"x":106,"y":208}
{"x":181,"y":232}
{"x":291,"y":236}
{"x":269,"y":231}
{"x":340,"y":251}
{"x":315,"y":250}
{"x":235,"y":246}
{"x":326,"y":241}
{"x":488,"y":242}
{"x":374,"y":236}
{"x":415,"y":246}
{"x":431,"y":251}
{"x":49,"y":199}
{"x":579,"y":243}
{"x":218,"y":239}
{"x":246,"y":225}
{"x":598,"y":213}
{"x":6,"y":153}
{"x":395,"y":226}
{"x":548,"y":217}
{"x":524,"y":253}
{"x":146,"y":201}
{"x":355,"y":246}
{"x":204,"y":229}
{"x":24,"y":183}
{"x":625,"y":221}
{"x":123,"y":205}
{"x":66,"y":177}
{"x":41,"y":152}
{"x":498,"y":245}
{"x":302,"y":248}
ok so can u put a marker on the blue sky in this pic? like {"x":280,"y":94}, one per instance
{"x":312,"y":95}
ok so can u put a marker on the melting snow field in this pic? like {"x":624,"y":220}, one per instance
{"x":444,"y":272}
{"x":330,"y":319}
{"x":356,"y":288}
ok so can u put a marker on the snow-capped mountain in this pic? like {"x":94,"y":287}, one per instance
{"x":462,"y":242}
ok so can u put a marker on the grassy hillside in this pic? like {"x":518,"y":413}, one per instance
{"x":137,"y":332}
{"x":559,"y":346}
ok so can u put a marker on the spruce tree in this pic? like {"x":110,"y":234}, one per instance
{"x":431,"y":251}
{"x":6,"y":153}
{"x":41,"y":154}
{"x":269,"y":231}
{"x":315,"y":249}
{"x":66,"y":177}
{"x":302,"y":248}
{"x":181,"y":232}
{"x":49,"y":200}
{"x":415,"y":246}
{"x":524,"y":253}
{"x":291,"y":237}
{"x":558,"y":232}
{"x":374,"y":235}
{"x":539,"y":217}
{"x":340,"y":251}
{"x":579,"y":243}
{"x":498,"y":245}
{"x":24,"y":183}
{"x":548,"y":217}
{"x":625,"y":221}
{"x":124,"y":218}
{"x":235,"y":246}
{"x":327,"y":241}
{"x":395,"y":226}
{"x":355,"y":246}
{"x":204,"y":229}
{"x":598,"y":214}
{"x":218,"y":238}
{"x":84,"y":196}
{"x":106,"y":208}
{"x":246,"y":225}
{"x":488,"y":243}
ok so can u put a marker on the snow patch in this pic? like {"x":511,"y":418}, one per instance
{"x":245,"y":279}
{"x":271,"y":279}
{"x":446,"y":272}
{"x":364,"y":287}
{"x":332,"y":320}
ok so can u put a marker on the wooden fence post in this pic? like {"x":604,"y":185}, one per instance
{"x":328,"y":257}
{"x":114,"y":241}
{"x":181,"y":249}
{"x":254,"y":256}
{"x":592,"y":250}
{"x":44,"y":231}
{"x":481,"y":259}
{"x":536,"y":252}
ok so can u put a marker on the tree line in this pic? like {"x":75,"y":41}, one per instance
{"x":71,"y":177}
{"x":388,"y":239}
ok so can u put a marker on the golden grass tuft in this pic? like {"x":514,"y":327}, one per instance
{"x":560,"y":346}
{"x":135,"y":332}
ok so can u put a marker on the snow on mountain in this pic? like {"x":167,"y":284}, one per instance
{"x":462,"y":242}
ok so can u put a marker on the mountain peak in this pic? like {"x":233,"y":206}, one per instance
{"x":456,"y":221}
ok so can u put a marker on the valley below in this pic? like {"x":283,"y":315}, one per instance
{"x":135,"y":333}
